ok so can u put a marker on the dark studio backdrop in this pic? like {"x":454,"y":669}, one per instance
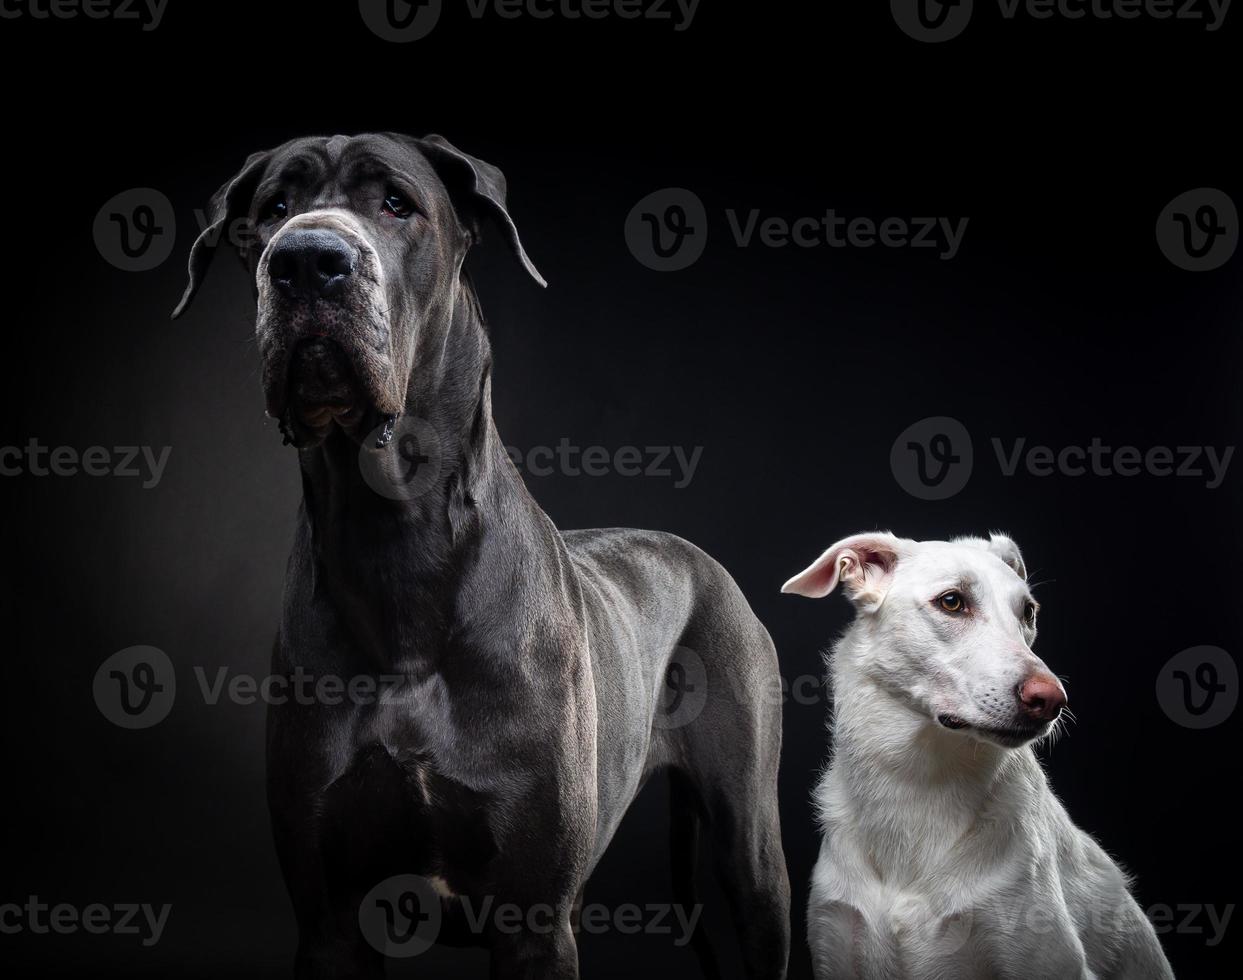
{"x":1060,"y":319}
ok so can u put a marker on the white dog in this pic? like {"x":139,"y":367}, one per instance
{"x":945,"y":854}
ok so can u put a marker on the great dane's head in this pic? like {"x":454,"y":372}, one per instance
{"x":356,"y":245}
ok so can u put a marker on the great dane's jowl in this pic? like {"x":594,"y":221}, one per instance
{"x":533,"y":661}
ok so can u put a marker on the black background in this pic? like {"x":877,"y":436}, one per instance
{"x":794,"y":369}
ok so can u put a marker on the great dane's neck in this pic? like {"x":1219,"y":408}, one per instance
{"x":393,"y":568}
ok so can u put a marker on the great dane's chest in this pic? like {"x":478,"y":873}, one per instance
{"x":399,"y":807}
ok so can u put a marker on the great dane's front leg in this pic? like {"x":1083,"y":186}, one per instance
{"x":539,"y":893}
{"x":330,"y":943}
{"x":531,"y":933}
{"x":538,"y":948}
{"x":538,"y":888}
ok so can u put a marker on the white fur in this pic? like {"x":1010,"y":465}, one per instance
{"x":945,"y":853}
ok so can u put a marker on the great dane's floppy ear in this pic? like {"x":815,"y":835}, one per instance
{"x":227,"y":205}
{"x":863,"y":564}
{"x":478,"y":190}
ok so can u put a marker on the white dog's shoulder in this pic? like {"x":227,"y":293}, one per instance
{"x":1118,"y":938}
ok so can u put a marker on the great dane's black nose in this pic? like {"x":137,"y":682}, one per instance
{"x":311,"y":263}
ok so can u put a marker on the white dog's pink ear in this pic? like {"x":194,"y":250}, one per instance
{"x":1005,"y":549}
{"x":862,"y":564}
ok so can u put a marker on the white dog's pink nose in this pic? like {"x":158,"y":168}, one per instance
{"x":1041,"y":697}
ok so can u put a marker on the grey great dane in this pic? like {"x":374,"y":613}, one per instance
{"x":536,"y":664}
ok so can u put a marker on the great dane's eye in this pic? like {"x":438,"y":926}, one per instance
{"x":1029,"y":613}
{"x":275,"y":210}
{"x":397,"y":205}
{"x":952,"y":602}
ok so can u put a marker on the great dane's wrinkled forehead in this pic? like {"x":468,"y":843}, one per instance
{"x":330,"y":171}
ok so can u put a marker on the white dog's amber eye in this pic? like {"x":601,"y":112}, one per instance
{"x":952,"y":602}
{"x":1029,"y":613}
{"x":397,"y":206}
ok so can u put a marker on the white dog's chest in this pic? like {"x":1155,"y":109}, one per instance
{"x":903,"y":933}
{"x":862,"y":928}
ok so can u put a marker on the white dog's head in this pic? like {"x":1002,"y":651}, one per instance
{"x":946,"y":627}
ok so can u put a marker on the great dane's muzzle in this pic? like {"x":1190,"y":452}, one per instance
{"x":323,"y":330}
